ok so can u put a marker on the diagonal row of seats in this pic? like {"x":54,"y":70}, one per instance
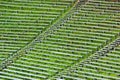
{"x":22,"y":20}
{"x":90,"y":28}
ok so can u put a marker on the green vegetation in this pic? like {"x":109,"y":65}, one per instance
{"x":19,"y":27}
{"x":38,"y":42}
{"x":106,"y":67}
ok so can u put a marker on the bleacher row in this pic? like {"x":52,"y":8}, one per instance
{"x":91,"y":27}
{"x":22,"y":21}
